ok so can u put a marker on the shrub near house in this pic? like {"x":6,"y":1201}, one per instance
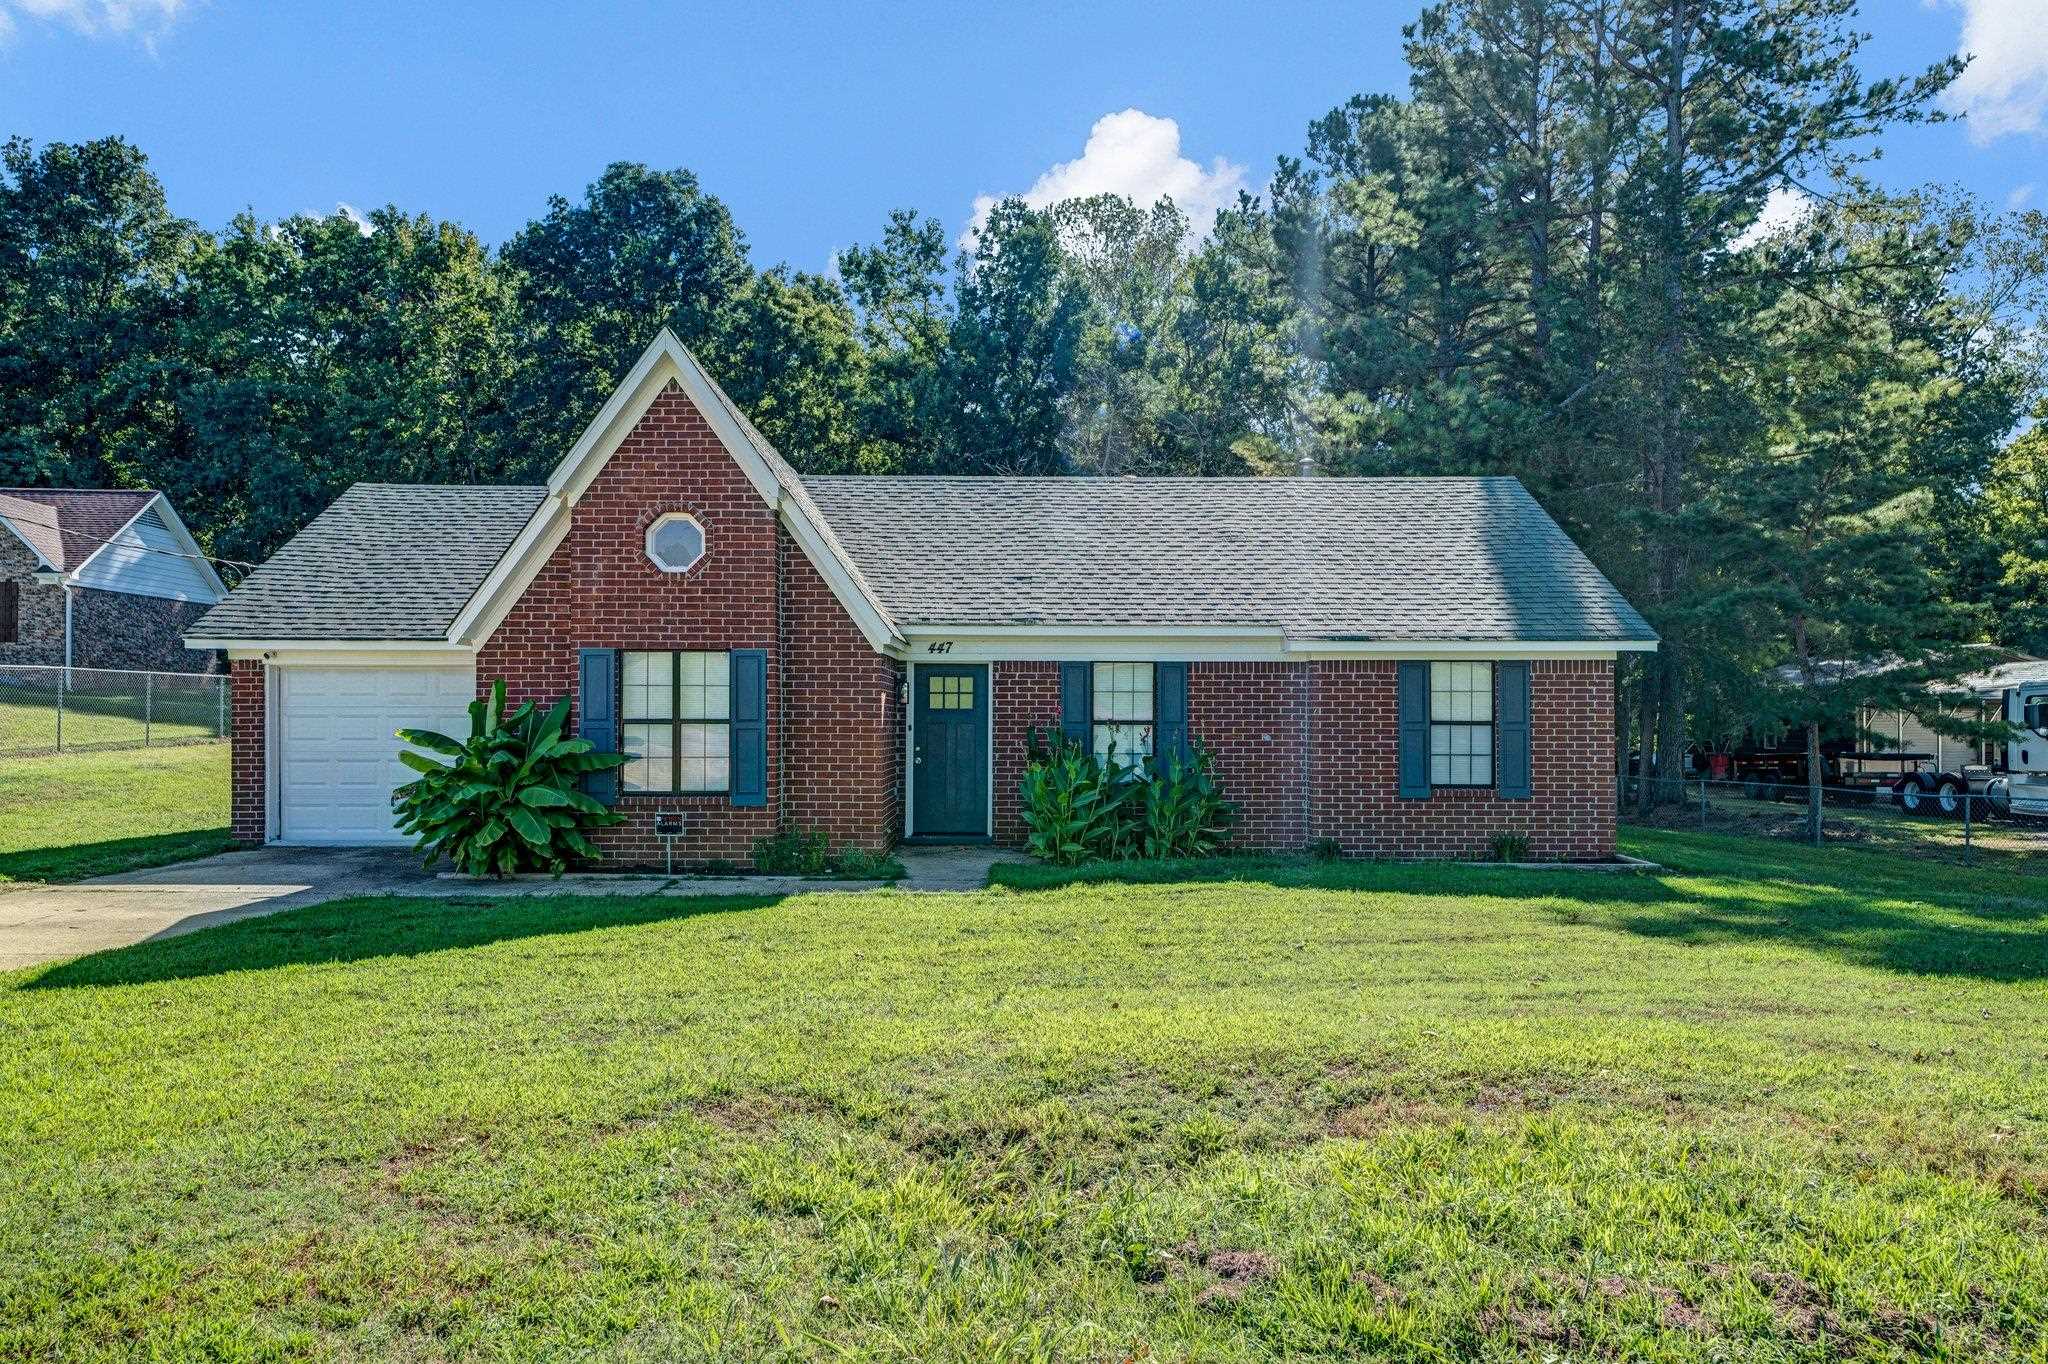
{"x":1402,"y":667}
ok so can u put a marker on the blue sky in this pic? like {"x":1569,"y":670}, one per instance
{"x":810,"y":121}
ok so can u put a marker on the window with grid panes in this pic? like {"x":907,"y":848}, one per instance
{"x":945,"y":692}
{"x":676,"y":714}
{"x":1461,"y":724}
{"x":1123,"y":711}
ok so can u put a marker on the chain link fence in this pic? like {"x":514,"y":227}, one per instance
{"x":1951,"y":824}
{"x":57,"y":710}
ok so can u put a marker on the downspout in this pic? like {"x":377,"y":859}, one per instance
{"x":67,"y":632}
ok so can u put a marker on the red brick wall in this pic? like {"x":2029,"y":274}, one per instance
{"x":842,"y":736}
{"x":248,"y":818}
{"x":1570,"y":815}
{"x":598,"y":590}
{"x":1024,"y":695}
{"x":1252,"y":717}
{"x":1307,"y":751}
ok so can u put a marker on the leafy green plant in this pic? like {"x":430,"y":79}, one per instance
{"x":793,"y":852}
{"x":1184,"y":815}
{"x":507,"y":801}
{"x":1076,"y":805}
{"x":1079,"y":806}
{"x":1326,"y":850}
{"x":858,"y":864}
{"x":1509,"y":848}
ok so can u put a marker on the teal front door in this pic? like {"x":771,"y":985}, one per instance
{"x":949,"y":751}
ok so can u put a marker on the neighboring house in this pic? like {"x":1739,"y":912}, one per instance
{"x":94,"y":578}
{"x":1407,"y":667}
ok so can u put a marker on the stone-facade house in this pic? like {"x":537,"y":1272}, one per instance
{"x":93,"y":578}
{"x":1406,"y":667}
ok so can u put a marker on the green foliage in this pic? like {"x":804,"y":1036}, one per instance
{"x":808,"y":852}
{"x":1010,"y":356}
{"x":1326,"y":850}
{"x":858,"y":864}
{"x":507,"y":800}
{"x":1076,"y":807}
{"x":1508,"y":847}
{"x":793,"y":852}
{"x":1079,"y":807}
{"x":1184,"y":815}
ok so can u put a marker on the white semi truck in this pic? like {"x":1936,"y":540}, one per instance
{"x":2019,"y":786}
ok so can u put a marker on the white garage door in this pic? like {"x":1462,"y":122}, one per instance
{"x":337,"y":755}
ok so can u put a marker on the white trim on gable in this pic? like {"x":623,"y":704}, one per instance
{"x":514,"y":573}
{"x":665,"y":361}
{"x":169,"y":519}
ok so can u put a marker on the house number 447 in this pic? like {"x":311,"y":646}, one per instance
{"x":944,"y":646}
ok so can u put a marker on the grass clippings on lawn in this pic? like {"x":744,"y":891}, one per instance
{"x":72,"y":815}
{"x":1791,"y":1112}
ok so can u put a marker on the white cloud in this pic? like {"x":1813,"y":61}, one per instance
{"x":1785,"y":207}
{"x":143,"y":20}
{"x":356,"y":216}
{"x":1138,"y":156}
{"x":2005,"y":88}
{"x":2021,"y":195}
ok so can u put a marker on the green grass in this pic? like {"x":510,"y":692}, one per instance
{"x":1767,"y":1106}
{"x":70,"y":815}
{"x":107,"y":721}
{"x":1876,"y":826}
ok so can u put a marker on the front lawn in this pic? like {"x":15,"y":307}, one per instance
{"x":1788,"y":1107}
{"x":70,"y":815}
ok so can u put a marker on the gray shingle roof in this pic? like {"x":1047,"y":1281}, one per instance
{"x":1383,"y":559}
{"x":1325,"y":558}
{"x":385,"y":561}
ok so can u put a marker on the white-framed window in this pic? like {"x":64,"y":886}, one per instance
{"x":1123,"y":711}
{"x":675,"y":542}
{"x":676,"y":716}
{"x":1461,"y":724}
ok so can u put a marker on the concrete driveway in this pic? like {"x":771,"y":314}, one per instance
{"x":45,"y":923}
{"x":42,"y":923}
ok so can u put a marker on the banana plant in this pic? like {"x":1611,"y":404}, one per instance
{"x":507,"y":799}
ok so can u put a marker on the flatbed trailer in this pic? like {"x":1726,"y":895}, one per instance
{"x":2014,"y":784}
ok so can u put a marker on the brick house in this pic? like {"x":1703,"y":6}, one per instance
{"x":1406,"y":666}
{"x":94,"y":578}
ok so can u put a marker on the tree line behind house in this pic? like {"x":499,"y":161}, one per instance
{"x":1623,"y":249}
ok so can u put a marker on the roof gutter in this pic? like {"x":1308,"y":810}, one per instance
{"x":1472,"y":648}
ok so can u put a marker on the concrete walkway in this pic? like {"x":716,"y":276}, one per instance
{"x":44,"y":923}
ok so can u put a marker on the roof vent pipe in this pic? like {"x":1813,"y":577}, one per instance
{"x":1305,"y":467}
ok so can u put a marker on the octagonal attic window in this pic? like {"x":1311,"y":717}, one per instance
{"x":675,"y":543}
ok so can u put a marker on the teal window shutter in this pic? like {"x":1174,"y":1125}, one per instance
{"x":749,"y":727}
{"x":1077,"y":703}
{"x":597,"y":716}
{"x":1413,"y":723}
{"x":1511,"y":730}
{"x":1169,"y":715}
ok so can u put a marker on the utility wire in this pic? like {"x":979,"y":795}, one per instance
{"x":126,"y":544}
